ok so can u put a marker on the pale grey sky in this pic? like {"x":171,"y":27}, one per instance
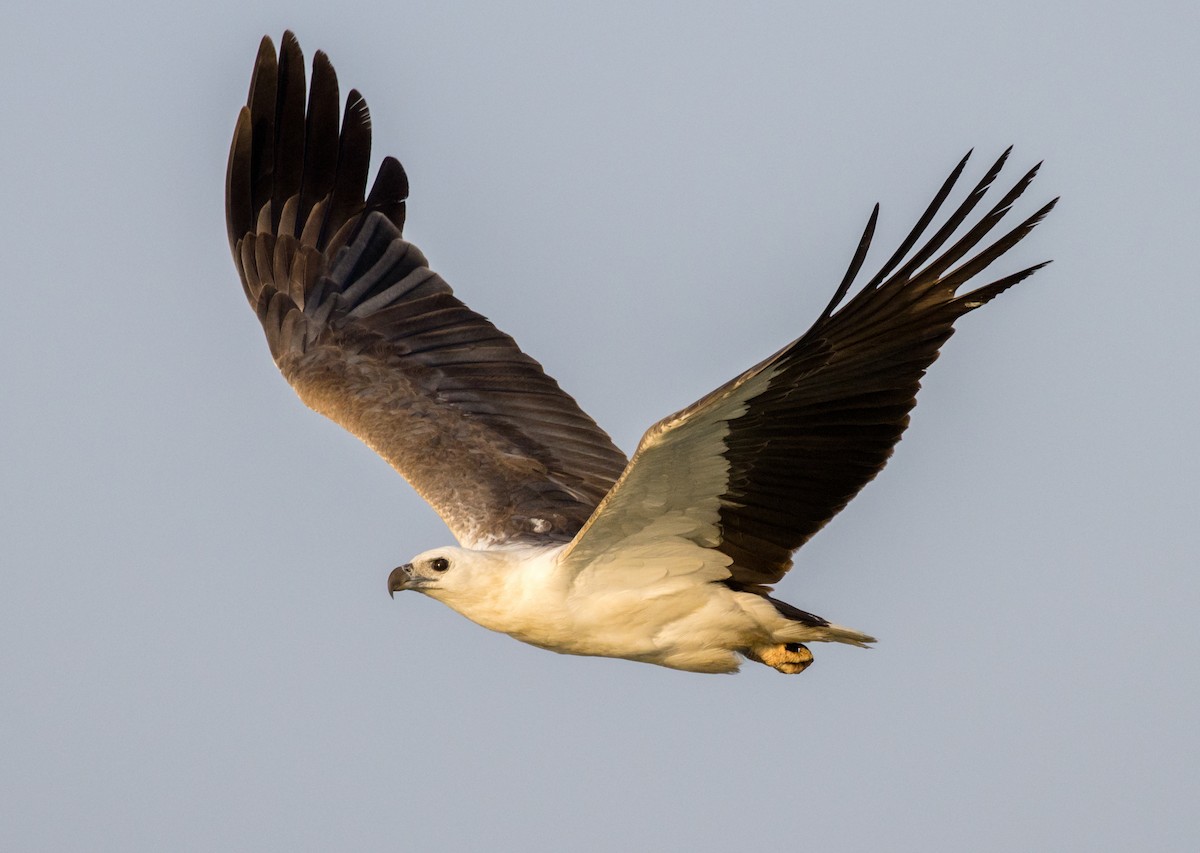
{"x":197,"y":650}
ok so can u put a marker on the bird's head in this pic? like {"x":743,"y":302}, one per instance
{"x":500,"y":588}
{"x":449,"y":574}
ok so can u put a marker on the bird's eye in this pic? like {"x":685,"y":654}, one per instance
{"x":439,"y":564}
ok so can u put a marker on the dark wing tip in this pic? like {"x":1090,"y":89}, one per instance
{"x":299,"y":161}
{"x":856,"y":262}
{"x":389,"y":192}
{"x":266,"y":52}
{"x":840,"y":396}
{"x":239,"y":217}
{"x":356,"y":103}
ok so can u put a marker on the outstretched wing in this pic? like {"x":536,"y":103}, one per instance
{"x":369,"y":336}
{"x":758,"y":466}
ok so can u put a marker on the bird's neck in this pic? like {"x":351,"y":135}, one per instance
{"x":521,"y":594}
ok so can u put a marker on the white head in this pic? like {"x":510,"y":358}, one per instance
{"x":505,"y":589}
{"x":454,"y":576}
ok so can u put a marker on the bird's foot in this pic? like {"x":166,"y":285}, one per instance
{"x":785,"y":657}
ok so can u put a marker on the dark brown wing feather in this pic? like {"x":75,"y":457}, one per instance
{"x":840,"y":396}
{"x":368,"y":335}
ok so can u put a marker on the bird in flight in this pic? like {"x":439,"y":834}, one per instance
{"x":666,"y":558}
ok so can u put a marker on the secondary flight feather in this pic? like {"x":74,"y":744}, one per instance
{"x":666,"y":558}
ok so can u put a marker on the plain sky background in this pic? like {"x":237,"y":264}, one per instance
{"x":197,"y":651}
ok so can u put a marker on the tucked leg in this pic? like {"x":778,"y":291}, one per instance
{"x":785,"y":657}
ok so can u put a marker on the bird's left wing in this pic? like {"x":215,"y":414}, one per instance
{"x":369,"y":336}
{"x":758,"y":466}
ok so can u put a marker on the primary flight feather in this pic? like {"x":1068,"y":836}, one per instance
{"x":666,"y":558}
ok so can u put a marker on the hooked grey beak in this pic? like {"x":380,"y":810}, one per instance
{"x":400,"y":579}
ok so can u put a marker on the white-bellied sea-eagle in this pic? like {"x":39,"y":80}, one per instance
{"x":666,"y":558}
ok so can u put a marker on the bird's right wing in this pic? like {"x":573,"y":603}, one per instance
{"x":369,"y":336}
{"x":758,"y":466}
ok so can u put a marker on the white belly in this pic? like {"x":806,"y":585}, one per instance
{"x":679,"y":624}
